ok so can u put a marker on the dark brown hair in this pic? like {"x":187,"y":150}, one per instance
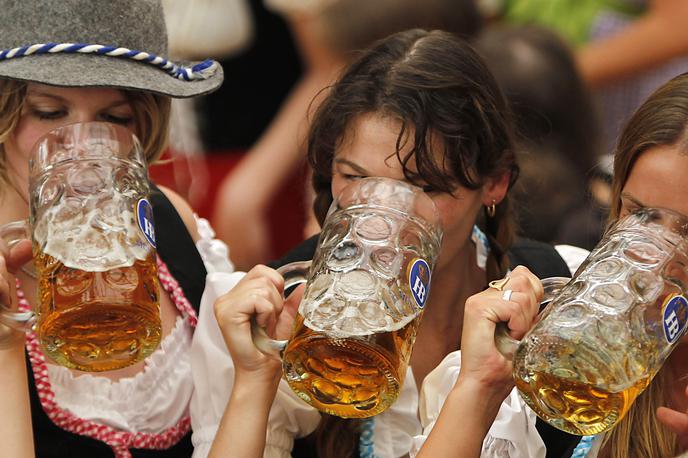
{"x":438,"y":88}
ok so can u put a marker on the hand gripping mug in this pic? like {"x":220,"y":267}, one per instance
{"x":93,"y":237}
{"x":365,"y":292}
{"x":609,"y":329}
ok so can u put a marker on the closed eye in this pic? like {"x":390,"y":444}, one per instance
{"x":123,"y":120}
{"x":48,"y":115}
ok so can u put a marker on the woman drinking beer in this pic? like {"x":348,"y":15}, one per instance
{"x":68,"y":62}
{"x":650,"y":160}
{"x":420,"y":107}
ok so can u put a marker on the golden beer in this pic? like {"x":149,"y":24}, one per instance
{"x":97,"y":321}
{"x":350,"y":377}
{"x":577,"y":408}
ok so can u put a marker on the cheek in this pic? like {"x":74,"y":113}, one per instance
{"x":457,"y":215}
{"x":26,"y":135}
{"x":338,"y":183}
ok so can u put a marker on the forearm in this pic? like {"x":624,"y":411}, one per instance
{"x":465,"y":419}
{"x":244,"y":424}
{"x":16,"y":433}
{"x":646,"y":43}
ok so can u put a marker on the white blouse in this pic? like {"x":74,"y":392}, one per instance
{"x":399,"y":430}
{"x":156,"y":398}
{"x":213,"y":375}
{"x":152,"y":401}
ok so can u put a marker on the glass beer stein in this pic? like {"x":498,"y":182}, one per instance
{"x":609,"y":329}
{"x":94,"y":255}
{"x":365,"y":292}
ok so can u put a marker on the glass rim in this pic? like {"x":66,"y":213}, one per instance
{"x":117,"y":133}
{"x":420,"y":208}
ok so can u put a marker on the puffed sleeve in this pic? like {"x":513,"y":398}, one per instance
{"x":513,"y":433}
{"x":213,"y":371}
{"x":214,"y":252}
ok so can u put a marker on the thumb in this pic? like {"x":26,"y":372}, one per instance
{"x":672,"y":419}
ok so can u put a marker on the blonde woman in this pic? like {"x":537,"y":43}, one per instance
{"x":650,"y":161}
{"x":72,"y":61}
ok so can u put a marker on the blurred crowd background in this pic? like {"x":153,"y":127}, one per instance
{"x":572,"y":70}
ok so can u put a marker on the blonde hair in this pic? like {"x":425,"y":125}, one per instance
{"x":661,"y":120}
{"x":639,"y":434}
{"x":151,"y":119}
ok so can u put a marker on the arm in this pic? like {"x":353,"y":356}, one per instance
{"x":659,"y":35}
{"x":245,"y":195}
{"x":16,"y":432}
{"x":245,"y":421}
{"x":244,"y":424}
{"x":485,"y":377}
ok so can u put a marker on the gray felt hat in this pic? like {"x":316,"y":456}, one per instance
{"x":35,"y":39}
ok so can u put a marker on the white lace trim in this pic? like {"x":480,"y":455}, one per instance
{"x":151,"y":401}
{"x":214,"y":252}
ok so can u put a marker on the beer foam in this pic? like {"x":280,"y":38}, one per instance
{"x":339,"y":318}
{"x":94,"y":233}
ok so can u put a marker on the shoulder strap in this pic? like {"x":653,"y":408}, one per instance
{"x":541,"y":258}
{"x":176,"y":247}
{"x":544,"y":261}
{"x":301,"y":252}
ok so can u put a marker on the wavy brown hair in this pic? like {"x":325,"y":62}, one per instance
{"x":438,"y":88}
{"x":662,"y":120}
{"x":151,"y":119}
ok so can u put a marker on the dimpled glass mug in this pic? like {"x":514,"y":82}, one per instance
{"x":93,"y":248}
{"x":609,"y":329}
{"x":365,"y":292}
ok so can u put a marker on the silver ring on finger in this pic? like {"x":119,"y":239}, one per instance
{"x":506,"y":295}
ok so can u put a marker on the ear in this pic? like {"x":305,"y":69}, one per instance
{"x":495,"y":188}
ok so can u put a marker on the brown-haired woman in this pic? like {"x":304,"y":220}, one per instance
{"x":422,"y":107}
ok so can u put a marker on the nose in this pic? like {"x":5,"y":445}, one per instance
{"x":86,"y":116}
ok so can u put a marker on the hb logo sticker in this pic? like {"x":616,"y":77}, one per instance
{"x":144,"y":213}
{"x":419,"y":281}
{"x":674,"y":317}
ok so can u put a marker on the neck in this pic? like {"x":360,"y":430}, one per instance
{"x":452,"y":284}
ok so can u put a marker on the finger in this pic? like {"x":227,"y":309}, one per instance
{"x":268,"y":273}
{"x":264,"y":311}
{"x":674,"y":420}
{"x":511,"y":312}
{"x":264,"y":287}
{"x":535,"y":284}
{"x":519,"y":322}
{"x":19,"y":254}
{"x":523,"y":281}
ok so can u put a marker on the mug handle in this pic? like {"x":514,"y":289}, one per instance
{"x":12,"y":233}
{"x":506,"y":344}
{"x":294,"y":274}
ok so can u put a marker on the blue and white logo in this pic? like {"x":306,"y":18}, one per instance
{"x":675,"y":317}
{"x":144,"y":212}
{"x":419,"y":281}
